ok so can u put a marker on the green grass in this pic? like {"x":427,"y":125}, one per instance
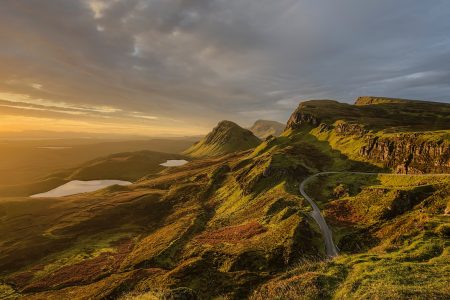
{"x":402,"y":136}
{"x":408,"y":257}
{"x":227,"y":137}
{"x":235,"y":227}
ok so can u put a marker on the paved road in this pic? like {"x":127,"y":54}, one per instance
{"x":330,"y":247}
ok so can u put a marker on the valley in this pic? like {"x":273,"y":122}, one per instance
{"x":349,"y":202}
{"x":224,"y":150}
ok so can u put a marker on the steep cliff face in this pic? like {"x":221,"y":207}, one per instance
{"x":313,"y":113}
{"x":300,"y":119}
{"x":408,"y":154}
{"x":418,"y":143}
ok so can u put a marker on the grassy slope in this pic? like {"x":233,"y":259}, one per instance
{"x":408,"y":124}
{"x":235,"y":220}
{"x":393,"y":235}
{"x":232,"y":220}
{"x":228,"y":225}
{"x":397,"y":116}
{"x":227,"y":137}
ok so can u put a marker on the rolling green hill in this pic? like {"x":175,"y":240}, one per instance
{"x":227,"y":137}
{"x":393,"y":236}
{"x":235,"y":226}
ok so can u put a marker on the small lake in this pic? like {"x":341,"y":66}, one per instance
{"x":174,"y":163}
{"x":77,"y":186}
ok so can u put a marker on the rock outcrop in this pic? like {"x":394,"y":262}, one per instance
{"x":407,"y":153}
{"x":408,"y":136}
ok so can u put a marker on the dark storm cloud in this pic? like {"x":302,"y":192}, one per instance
{"x":199,"y":61}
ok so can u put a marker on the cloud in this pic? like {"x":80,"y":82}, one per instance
{"x":199,"y":61}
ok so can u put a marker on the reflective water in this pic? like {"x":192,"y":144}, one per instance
{"x":174,"y":163}
{"x":77,"y":186}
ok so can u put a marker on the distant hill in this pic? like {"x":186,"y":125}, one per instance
{"x":129,"y":166}
{"x":123,"y":166}
{"x":265,"y":128}
{"x":226,"y":137}
{"x":19,"y":163}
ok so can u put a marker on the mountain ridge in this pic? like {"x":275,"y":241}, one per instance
{"x":407,"y":136}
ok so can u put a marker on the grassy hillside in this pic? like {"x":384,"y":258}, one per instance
{"x":227,"y":137}
{"x":236,"y":221}
{"x":234,"y":226}
{"x":406,"y":136}
{"x":393,"y":236}
{"x":219,"y":218}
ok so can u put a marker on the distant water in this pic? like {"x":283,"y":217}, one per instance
{"x":54,"y":148}
{"x":77,"y":186}
{"x":174,"y":163}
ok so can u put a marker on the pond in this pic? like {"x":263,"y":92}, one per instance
{"x":77,"y":186}
{"x":174,"y":163}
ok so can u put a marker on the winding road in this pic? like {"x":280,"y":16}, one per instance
{"x":330,"y":247}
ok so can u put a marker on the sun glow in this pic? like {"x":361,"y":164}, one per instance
{"x":10,"y":123}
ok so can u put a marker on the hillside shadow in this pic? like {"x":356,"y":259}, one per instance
{"x":296,"y":156}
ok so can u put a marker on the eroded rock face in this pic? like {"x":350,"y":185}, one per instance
{"x":350,"y":129}
{"x":407,"y":154}
{"x":298,"y":119}
{"x":369,"y":123}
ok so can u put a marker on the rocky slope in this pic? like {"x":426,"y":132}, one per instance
{"x":227,"y":137}
{"x":404,"y":135}
{"x":265,"y":128}
{"x":409,"y":153}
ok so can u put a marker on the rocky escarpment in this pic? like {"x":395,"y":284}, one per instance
{"x":369,"y":100}
{"x":418,"y":143}
{"x":300,"y":119}
{"x":407,"y":153}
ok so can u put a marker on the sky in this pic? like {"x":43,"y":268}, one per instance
{"x":177,"y":67}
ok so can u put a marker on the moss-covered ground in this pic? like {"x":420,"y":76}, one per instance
{"x":393,"y":234}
